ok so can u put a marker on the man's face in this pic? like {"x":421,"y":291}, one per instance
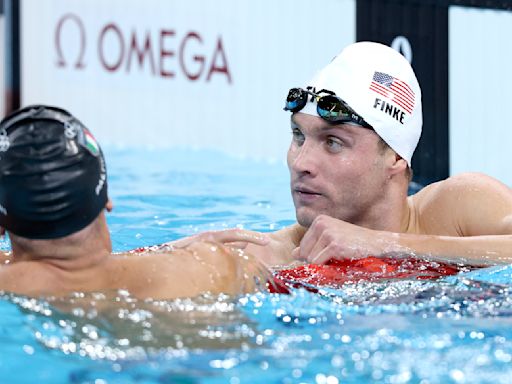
{"x":337,"y":170}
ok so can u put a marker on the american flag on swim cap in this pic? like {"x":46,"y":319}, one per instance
{"x":393,"y":89}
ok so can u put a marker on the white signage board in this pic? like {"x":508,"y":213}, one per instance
{"x":198,"y":74}
{"x":480,"y":59}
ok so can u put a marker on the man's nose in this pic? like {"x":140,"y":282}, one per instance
{"x":304,"y":159}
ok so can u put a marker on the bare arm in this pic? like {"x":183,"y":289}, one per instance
{"x":474,"y":250}
{"x":198,"y":268}
{"x":465,"y":219}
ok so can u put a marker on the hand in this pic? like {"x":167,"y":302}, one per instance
{"x":237,"y":238}
{"x":330,"y":238}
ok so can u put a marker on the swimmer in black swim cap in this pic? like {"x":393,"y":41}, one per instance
{"x":53,"y":192}
{"x":53,"y":179}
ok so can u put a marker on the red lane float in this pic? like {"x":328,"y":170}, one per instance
{"x":335,"y":273}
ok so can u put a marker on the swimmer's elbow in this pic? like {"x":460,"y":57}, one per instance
{"x":231,"y":271}
{"x":246,"y":272}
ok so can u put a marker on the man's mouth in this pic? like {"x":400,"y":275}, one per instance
{"x":305,"y":191}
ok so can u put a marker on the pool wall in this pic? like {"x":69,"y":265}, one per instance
{"x":211,"y":74}
{"x":214,"y":74}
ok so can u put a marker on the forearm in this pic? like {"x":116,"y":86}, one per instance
{"x":474,"y":250}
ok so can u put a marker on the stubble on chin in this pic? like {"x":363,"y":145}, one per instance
{"x":305,"y":217}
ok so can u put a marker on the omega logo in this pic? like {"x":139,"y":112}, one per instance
{"x":79,"y":64}
{"x":163,"y":52}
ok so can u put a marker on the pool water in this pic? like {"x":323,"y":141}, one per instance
{"x":456,"y":330}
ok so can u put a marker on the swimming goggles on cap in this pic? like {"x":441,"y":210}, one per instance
{"x":329,"y":106}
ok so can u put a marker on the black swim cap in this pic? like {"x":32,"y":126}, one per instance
{"x":53,"y":178}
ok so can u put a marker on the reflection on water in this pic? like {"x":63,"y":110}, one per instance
{"x":391,"y":331}
{"x":117,"y":326}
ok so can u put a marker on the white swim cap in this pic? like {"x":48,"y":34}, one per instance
{"x":379,"y":84}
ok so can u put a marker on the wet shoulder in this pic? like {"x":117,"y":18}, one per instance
{"x":452,"y":206}
{"x":27,"y":278}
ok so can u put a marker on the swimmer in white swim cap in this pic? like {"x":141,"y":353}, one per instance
{"x":355,"y":126}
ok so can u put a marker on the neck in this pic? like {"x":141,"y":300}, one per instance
{"x":83,"y":249}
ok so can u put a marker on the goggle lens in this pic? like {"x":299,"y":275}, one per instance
{"x":296,"y":100}
{"x":331,"y":108}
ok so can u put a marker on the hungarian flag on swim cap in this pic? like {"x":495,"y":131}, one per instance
{"x":90,"y":143}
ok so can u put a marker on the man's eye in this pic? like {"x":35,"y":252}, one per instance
{"x":334,"y":144}
{"x":298,"y":136}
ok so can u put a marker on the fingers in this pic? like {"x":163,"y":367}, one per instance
{"x":204,"y":247}
{"x":236,"y":236}
{"x":323,"y":256}
{"x":319,"y":255}
{"x":315,"y":240}
{"x":237,"y":244}
{"x":182,"y":243}
{"x":319,"y":243}
{"x":312,"y":240}
{"x":323,"y":250}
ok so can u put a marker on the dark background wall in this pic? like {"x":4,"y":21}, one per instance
{"x":420,"y":32}
{"x":419,"y":29}
{"x":11,"y":10}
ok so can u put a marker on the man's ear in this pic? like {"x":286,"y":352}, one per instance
{"x":396,"y":164}
{"x":109,"y":206}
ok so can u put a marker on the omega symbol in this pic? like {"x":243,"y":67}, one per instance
{"x":79,"y":60}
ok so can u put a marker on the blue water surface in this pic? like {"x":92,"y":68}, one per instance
{"x":456,"y":330}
